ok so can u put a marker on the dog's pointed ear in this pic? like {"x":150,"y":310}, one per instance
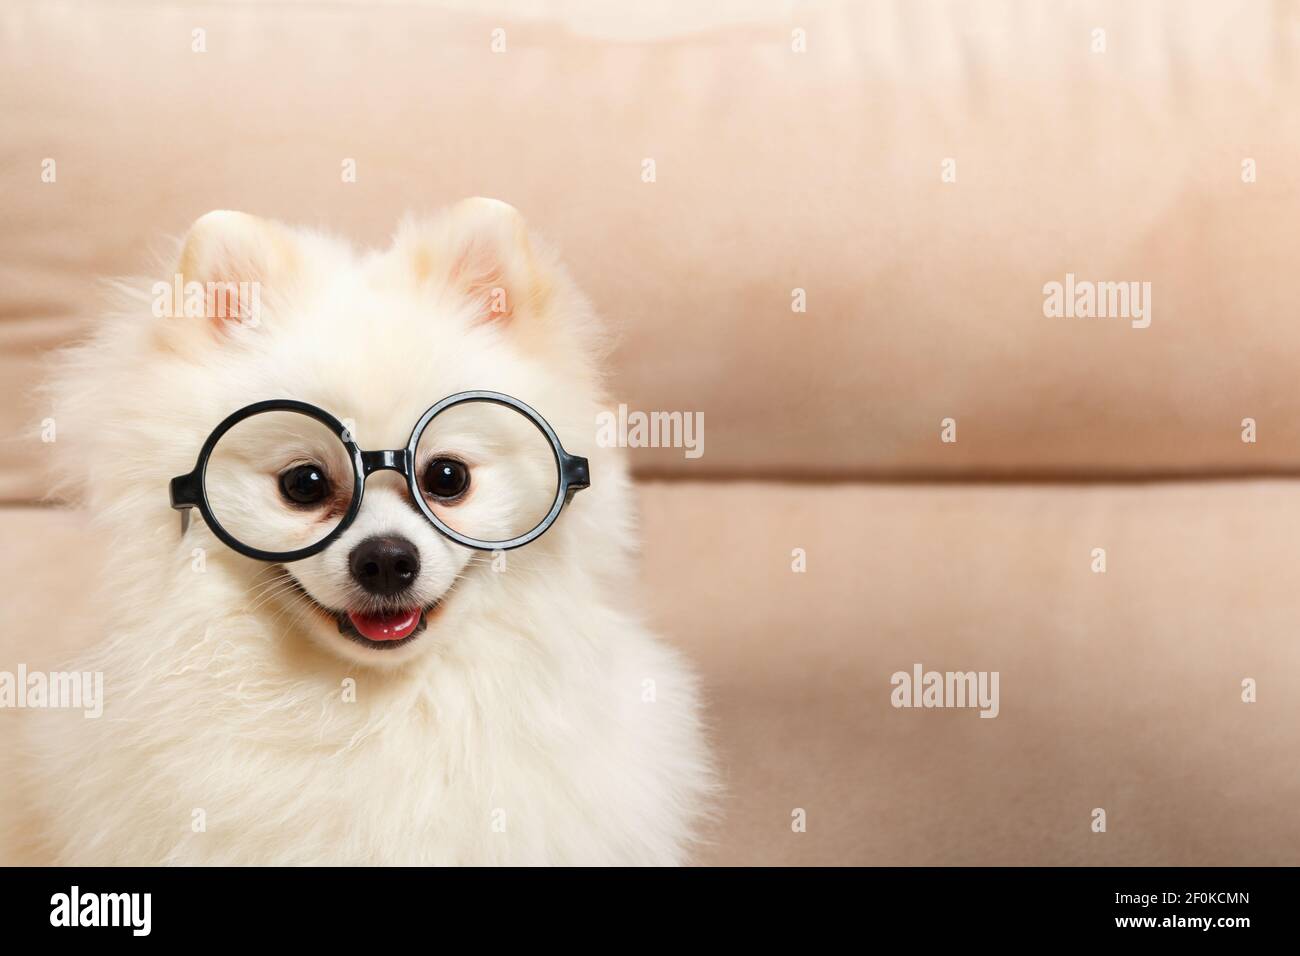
{"x":230,"y":259}
{"x":480,"y":247}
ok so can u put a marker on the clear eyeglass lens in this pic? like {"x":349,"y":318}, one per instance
{"x":486,"y":470}
{"x":279,"y":481}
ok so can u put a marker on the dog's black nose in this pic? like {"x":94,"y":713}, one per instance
{"x":385,"y":564}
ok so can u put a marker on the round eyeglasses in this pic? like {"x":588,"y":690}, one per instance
{"x":280,"y":480}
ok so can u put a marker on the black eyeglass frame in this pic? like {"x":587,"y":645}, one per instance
{"x":190,"y":490}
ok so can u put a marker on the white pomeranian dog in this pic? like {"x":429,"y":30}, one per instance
{"x":442,"y":670}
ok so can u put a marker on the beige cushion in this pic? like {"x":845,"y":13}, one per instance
{"x":775,"y":170}
{"x":1119,"y":690}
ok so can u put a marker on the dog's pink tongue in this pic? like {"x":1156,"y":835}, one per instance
{"x":385,"y":627}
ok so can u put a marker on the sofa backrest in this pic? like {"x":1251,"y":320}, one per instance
{"x":916,"y":173}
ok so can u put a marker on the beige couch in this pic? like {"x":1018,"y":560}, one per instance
{"x":825,"y":171}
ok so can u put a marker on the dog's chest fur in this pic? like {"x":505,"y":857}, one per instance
{"x":532,"y":759}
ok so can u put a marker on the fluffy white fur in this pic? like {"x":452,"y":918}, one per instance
{"x":536,"y":721}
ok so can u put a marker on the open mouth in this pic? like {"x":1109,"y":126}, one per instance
{"x":382,"y":630}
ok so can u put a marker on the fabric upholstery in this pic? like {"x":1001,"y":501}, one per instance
{"x":821,"y":171}
{"x":1119,"y":690}
{"x":775,"y":171}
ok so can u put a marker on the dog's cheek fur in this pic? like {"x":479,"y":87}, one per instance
{"x":551,"y":727}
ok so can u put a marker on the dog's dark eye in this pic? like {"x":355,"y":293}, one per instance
{"x":305,"y":485}
{"x":446,"y":478}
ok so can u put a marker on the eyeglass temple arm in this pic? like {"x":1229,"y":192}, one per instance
{"x":576,"y":475}
{"x":184,"y":490}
